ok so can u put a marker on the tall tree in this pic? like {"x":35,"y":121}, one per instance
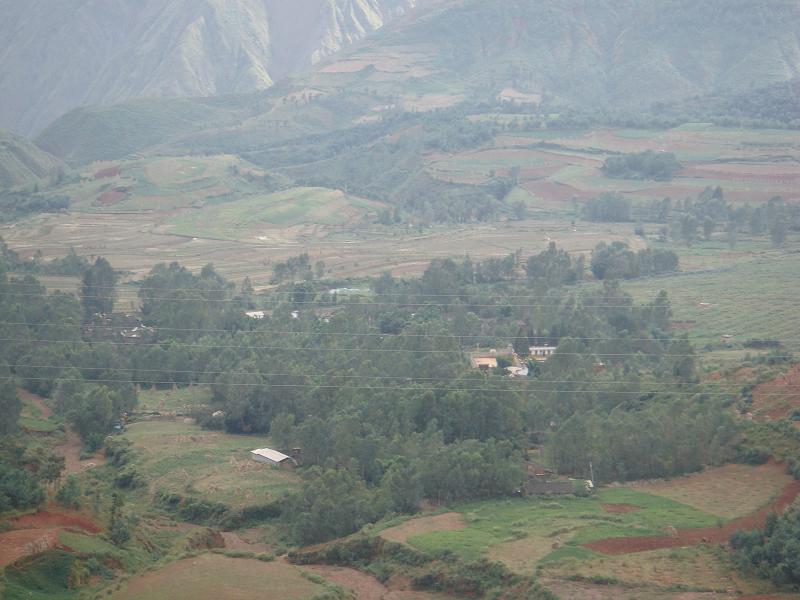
{"x":98,"y":288}
{"x":10,"y":407}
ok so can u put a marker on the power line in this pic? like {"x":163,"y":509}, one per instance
{"x":392,"y":388}
{"x":135,"y":288}
{"x":396,"y":303}
{"x":643,"y":383}
{"x":347,"y":333}
{"x":372,"y":350}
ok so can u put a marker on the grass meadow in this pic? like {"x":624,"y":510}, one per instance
{"x":182,"y":458}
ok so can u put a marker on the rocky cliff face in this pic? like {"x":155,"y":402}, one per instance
{"x":56,"y":55}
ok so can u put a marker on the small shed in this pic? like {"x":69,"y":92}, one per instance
{"x":273,"y":457}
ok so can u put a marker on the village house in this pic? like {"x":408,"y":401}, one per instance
{"x":484,"y":363}
{"x":273,"y":457}
{"x":541,"y":353}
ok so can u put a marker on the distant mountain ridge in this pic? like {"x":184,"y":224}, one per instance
{"x":56,"y":55}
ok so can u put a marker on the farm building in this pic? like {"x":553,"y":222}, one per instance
{"x":484,"y":363}
{"x":541,"y":353}
{"x":273,"y":457}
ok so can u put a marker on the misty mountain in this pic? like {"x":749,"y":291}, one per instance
{"x":56,"y":55}
{"x":593,"y":55}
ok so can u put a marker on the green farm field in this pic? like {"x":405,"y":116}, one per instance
{"x":526,"y":532}
{"x":748,"y":292}
{"x":182,"y":458}
{"x":264,"y":217}
{"x":160,"y":183}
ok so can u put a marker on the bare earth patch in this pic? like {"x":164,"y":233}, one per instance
{"x":37,"y":532}
{"x":451,"y":521}
{"x":728,"y":492}
{"x":25,"y":542}
{"x":620,"y":508}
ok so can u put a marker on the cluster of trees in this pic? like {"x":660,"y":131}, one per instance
{"x":618,"y":261}
{"x":297,"y":268}
{"x":608,"y":208}
{"x":387,"y":410}
{"x":692,"y":219}
{"x":774,"y":552}
{"x":15,"y":204}
{"x":689,"y":220}
{"x":647,"y":440}
{"x":659,"y":166}
{"x":555,"y":267}
{"x":435,"y":470}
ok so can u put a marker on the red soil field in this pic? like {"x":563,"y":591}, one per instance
{"x":777,"y":398}
{"x":693,"y":537}
{"x":110,"y":198}
{"x":37,"y":532}
{"x":555,"y":191}
{"x":48,"y":519}
{"x":107,"y":173}
{"x":25,"y":542}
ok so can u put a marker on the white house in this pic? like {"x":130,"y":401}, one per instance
{"x":541,"y":353}
{"x":273,"y":457}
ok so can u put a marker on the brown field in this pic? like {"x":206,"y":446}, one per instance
{"x":728,"y":492}
{"x":522,"y":556}
{"x":777,"y":398}
{"x":212,"y":576}
{"x":451,"y":521}
{"x":110,"y":198}
{"x":107,"y":172}
{"x":699,"y":567}
{"x":37,"y":532}
{"x":25,"y":542}
{"x":571,"y":590}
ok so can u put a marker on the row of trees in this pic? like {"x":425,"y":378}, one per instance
{"x":659,"y":166}
{"x":692,"y":219}
{"x":618,"y":261}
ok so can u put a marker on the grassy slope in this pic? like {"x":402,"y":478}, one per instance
{"x":750,"y":290}
{"x":22,"y":163}
{"x":234,"y":220}
{"x":185,"y":459}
